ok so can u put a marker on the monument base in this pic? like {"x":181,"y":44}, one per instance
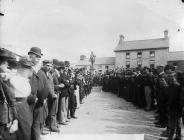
{"x":92,"y":70}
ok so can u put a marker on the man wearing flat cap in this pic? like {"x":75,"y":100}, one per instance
{"x":47,"y":91}
{"x":162,"y":87}
{"x":52,"y":98}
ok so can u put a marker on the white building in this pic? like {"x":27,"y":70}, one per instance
{"x":101,"y":63}
{"x":150,"y":52}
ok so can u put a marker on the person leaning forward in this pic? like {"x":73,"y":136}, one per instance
{"x":22,"y":89}
{"x":8,"y":119}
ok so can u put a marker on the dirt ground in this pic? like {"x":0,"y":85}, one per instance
{"x":105,"y":115}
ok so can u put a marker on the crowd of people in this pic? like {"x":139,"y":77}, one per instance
{"x":160,"y":89}
{"x":34,"y":97}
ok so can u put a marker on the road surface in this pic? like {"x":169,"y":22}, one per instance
{"x":104,"y":115}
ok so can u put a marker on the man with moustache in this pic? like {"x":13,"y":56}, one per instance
{"x":39,"y":92}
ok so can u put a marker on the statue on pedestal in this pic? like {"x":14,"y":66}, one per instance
{"x":92,"y":60}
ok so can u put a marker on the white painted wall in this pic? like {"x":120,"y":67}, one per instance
{"x":161,"y":58}
{"x":102,"y":67}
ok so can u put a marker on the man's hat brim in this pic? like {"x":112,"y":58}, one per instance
{"x":40,"y":55}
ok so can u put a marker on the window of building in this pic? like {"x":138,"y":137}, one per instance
{"x":139,"y":63}
{"x":152,"y":53}
{"x":152,"y":63}
{"x":127,"y":55}
{"x":128,"y":64}
{"x":139,"y":54}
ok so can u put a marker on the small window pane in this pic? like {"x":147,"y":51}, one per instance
{"x":152,"y":53}
{"x":139,"y":55}
{"x":127,"y":55}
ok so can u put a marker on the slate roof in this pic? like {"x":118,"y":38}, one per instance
{"x":98,"y":61}
{"x":176,"y":56}
{"x":142,"y":44}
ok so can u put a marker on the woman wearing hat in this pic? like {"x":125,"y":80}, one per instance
{"x":8,"y":120}
{"x":22,"y":90}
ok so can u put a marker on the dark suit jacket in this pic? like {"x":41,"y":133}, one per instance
{"x":7,"y":100}
{"x":65,"y":80}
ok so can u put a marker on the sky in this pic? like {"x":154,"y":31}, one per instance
{"x":66,"y":29}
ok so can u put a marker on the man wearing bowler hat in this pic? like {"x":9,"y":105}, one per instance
{"x":39,"y":92}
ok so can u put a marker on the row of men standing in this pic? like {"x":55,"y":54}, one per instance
{"x":51,"y":101}
{"x":150,"y":89}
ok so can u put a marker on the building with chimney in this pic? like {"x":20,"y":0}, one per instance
{"x":101,"y":64}
{"x":140,"y":53}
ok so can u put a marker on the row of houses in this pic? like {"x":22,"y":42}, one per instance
{"x":101,"y":63}
{"x":137,"y":53}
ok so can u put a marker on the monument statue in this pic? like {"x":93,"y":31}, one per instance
{"x":92,"y":58}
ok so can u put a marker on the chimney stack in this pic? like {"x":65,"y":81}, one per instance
{"x":166,"y":34}
{"x":121,"y":39}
